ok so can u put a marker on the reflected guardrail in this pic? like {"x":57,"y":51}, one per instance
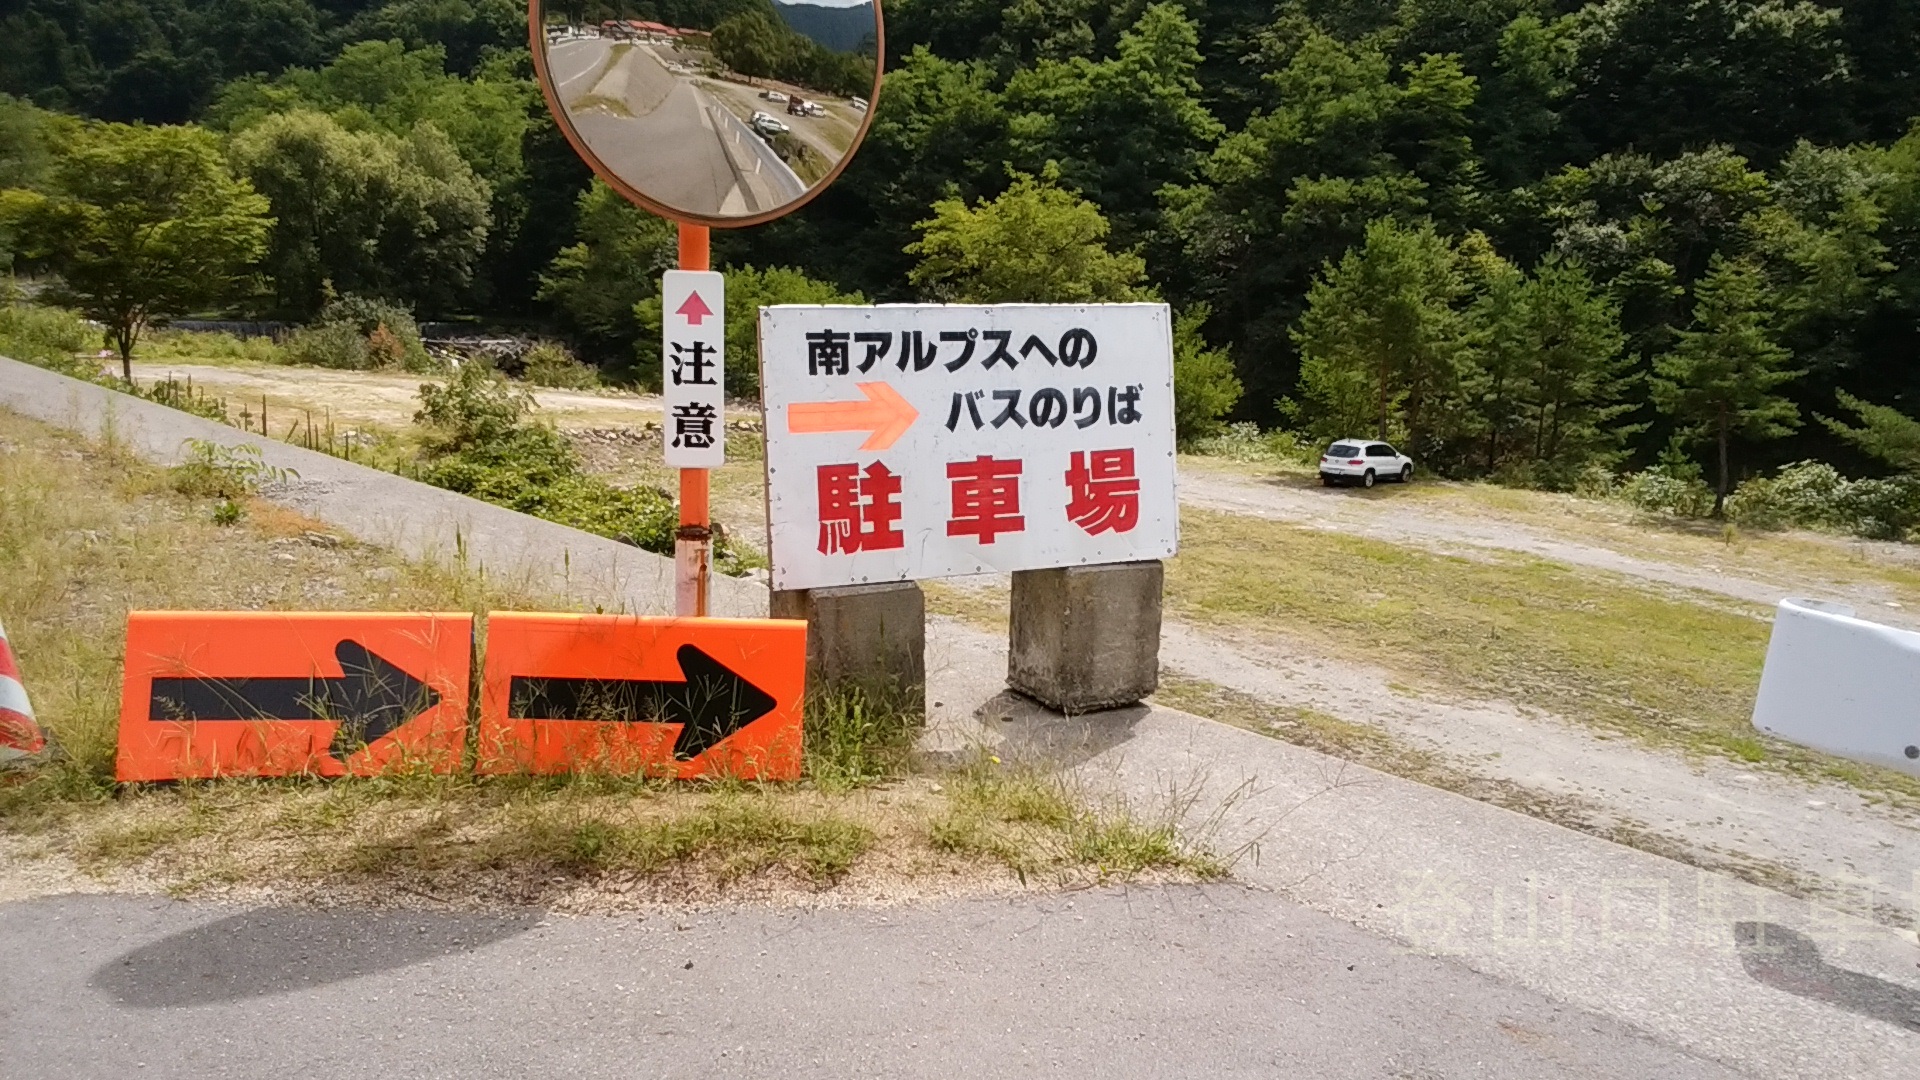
{"x":752,"y":159}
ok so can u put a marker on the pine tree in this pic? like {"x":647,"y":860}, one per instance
{"x":1382,"y":339}
{"x":1719,"y":381}
{"x":1578,"y":374}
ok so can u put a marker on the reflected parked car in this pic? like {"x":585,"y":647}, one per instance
{"x":767,"y":125}
{"x":1364,"y":462}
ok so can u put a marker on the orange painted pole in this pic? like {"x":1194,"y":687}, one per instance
{"x":693,"y":544}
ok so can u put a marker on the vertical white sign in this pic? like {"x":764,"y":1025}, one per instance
{"x":693,"y":373}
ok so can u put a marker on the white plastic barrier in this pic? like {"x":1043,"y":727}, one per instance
{"x":1842,"y":685}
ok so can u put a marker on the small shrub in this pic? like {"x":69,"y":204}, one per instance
{"x":229,"y":512}
{"x":201,"y":345}
{"x":1568,"y":474}
{"x":1244,"y":441}
{"x":1657,"y":492}
{"x":49,"y":337}
{"x":329,"y":345}
{"x":1673,"y":485}
{"x":1205,"y":387}
{"x":223,"y":472}
{"x":1881,"y":509}
{"x":357,"y":333}
{"x":1596,"y":481}
{"x":385,"y":348}
{"x":536,"y":473}
{"x":473,"y":407}
{"x":481,"y":443}
{"x":1804,"y":495}
{"x":549,"y":363}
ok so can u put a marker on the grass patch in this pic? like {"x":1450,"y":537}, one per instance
{"x":856,"y":736}
{"x":1034,"y":823}
{"x":92,"y":534}
{"x":508,"y":827}
{"x":601,"y":103}
{"x":1671,"y":669}
{"x":984,"y":607}
{"x":806,"y":162}
{"x":212,"y":348}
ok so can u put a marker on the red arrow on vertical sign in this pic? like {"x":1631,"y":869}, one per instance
{"x":695,"y":309}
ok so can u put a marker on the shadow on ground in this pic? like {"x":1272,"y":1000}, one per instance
{"x":282,"y":950}
{"x":1034,"y":734}
{"x":1788,"y":960}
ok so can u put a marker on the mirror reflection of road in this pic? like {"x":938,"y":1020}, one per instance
{"x":828,"y":135}
{"x":662,"y":134}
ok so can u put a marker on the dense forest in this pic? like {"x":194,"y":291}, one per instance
{"x":1528,"y":238}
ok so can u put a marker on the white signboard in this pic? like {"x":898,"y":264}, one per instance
{"x":693,"y":378}
{"x":923,"y":441}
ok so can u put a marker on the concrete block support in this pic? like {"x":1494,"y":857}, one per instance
{"x":1086,"y":638}
{"x":872,"y":637}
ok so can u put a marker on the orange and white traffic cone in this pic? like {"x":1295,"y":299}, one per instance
{"x":20,"y":735}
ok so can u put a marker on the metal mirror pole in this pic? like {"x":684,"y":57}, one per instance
{"x":693,"y":543}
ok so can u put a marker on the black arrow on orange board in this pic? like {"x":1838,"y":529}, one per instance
{"x":371,"y":698}
{"x":711,"y":701}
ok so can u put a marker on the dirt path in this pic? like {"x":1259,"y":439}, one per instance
{"x":382,"y":398}
{"x":1876,"y":579}
{"x":1710,"y":812}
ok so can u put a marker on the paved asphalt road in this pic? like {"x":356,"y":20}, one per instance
{"x":1210,"y":982}
{"x":673,"y":146}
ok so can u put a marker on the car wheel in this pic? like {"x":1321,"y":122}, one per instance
{"x":1406,"y":474}
{"x":1367,"y":480}
{"x":1326,"y":481}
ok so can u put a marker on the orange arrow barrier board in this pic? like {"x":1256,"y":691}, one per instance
{"x":626,"y":694}
{"x":224,"y":693}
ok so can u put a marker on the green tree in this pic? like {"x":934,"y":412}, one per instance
{"x":370,"y":213}
{"x":28,"y":136}
{"x":748,"y":290}
{"x":1035,"y":243}
{"x":1553,"y":376}
{"x":939,"y":131}
{"x":1205,"y":389}
{"x":1383,"y":337}
{"x":1120,"y":128}
{"x":1665,"y":75}
{"x":1493,"y":381}
{"x":1720,"y":381}
{"x":1648,"y":230}
{"x":1885,"y":432}
{"x":148,"y":224}
{"x":1350,"y":139}
{"x":752,"y":44}
{"x":597,"y":283}
{"x":490,"y":118}
{"x":467,"y":30}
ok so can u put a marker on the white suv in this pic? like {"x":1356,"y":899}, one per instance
{"x":1363,"y":462}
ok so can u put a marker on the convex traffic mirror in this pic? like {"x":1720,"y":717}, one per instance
{"x":732,"y":123}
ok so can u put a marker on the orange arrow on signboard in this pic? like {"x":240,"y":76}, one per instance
{"x":885,"y":416}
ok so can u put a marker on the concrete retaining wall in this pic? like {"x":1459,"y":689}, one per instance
{"x":415,"y":519}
